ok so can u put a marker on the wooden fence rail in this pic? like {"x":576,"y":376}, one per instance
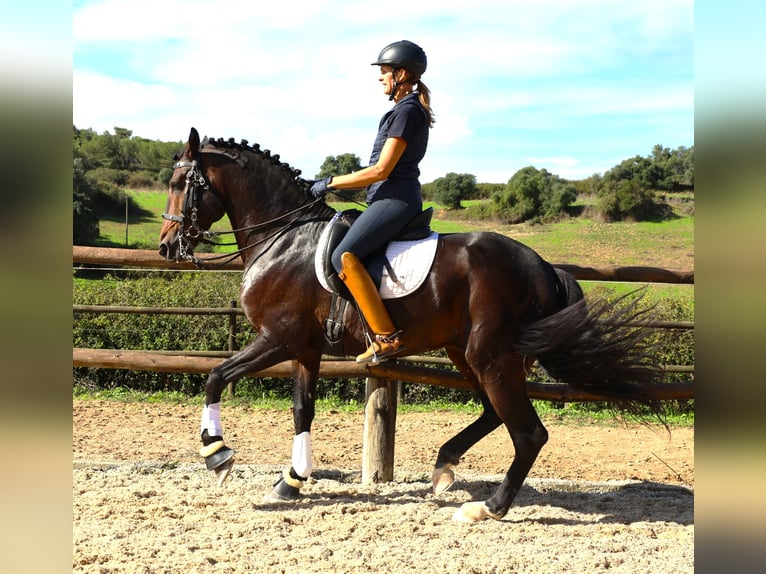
{"x":233,"y":312}
{"x":396,"y":370}
{"x":151,"y":259}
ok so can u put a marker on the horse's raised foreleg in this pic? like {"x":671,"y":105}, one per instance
{"x":256,"y":356}
{"x":289,"y":483}
{"x":504,"y":385}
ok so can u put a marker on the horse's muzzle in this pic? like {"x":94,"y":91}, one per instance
{"x":169,"y":246}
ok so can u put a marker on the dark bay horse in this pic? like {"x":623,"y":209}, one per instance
{"x":492,"y":303}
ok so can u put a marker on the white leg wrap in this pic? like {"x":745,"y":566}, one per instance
{"x":211,"y":420}
{"x":302,"y":454}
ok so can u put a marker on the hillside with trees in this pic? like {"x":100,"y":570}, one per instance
{"x":106,"y":165}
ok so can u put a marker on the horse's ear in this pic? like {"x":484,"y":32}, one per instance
{"x":193,"y":143}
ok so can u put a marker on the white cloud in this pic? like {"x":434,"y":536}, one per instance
{"x":200,"y":21}
{"x":296,"y":76}
{"x":107,"y":102}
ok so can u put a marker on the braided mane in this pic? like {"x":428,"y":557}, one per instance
{"x":243,"y":145}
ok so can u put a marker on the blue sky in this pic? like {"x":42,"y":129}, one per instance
{"x":571,"y":86}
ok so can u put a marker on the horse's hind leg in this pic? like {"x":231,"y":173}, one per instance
{"x":451,"y":451}
{"x":505,"y":390}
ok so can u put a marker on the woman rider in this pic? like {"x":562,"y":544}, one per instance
{"x":393,"y":188}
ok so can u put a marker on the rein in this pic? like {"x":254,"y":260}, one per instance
{"x":195,"y":184}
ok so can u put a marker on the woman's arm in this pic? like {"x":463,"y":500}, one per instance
{"x":392,"y":150}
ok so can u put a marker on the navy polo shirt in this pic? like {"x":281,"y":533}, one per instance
{"x":406,"y":120}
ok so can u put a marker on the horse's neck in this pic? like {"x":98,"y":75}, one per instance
{"x":290,"y":248}
{"x":265,"y":204}
{"x":269,"y":228}
{"x":262,"y":199}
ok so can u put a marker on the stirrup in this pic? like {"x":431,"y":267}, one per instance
{"x":383,"y":346}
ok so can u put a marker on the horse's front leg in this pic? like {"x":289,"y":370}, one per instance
{"x":256,"y":356}
{"x":289,"y":483}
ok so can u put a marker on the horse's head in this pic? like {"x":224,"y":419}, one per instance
{"x":192,"y":205}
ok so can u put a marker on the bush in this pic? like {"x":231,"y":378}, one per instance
{"x":85,"y":228}
{"x":110,"y":176}
{"x":142,"y":180}
{"x":156,"y":331}
{"x":533,"y":194}
{"x":163,"y":178}
{"x":451,"y":189}
{"x":627,"y":199}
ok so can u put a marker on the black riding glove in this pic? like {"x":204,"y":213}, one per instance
{"x":320,"y":187}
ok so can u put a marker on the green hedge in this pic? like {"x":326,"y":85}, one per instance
{"x":211,"y":333}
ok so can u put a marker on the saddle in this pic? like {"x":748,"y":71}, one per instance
{"x":414,"y":247}
{"x":418,"y":228}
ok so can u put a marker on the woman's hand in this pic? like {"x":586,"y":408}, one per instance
{"x":320,"y":187}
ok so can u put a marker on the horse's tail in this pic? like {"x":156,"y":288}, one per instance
{"x":571,"y":290}
{"x":597,"y":347}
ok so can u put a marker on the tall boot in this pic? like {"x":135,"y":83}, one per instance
{"x":386,"y":340}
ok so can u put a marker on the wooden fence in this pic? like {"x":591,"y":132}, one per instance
{"x":381,"y":389}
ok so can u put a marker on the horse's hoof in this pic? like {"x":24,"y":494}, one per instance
{"x":216,"y":454}
{"x":473,"y":512}
{"x":286,"y":489}
{"x":222,"y":471}
{"x":442,"y":479}
{"x":273,"y":497}
{"x":278,"y":495}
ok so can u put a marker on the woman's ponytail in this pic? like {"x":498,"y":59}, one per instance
{"x":424,"y":95}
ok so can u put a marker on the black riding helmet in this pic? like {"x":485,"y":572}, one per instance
{"x":403,"y":54}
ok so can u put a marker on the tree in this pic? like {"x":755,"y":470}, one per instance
{"x":85,"y":227}
{"x":339,"y":165}
{"x":454,"y":187}
{"x":533,"y":193}
{"x":664,"y":169}
{"x":629,"y":199}
{"x":122,"y":160}
{"x":678,"y":165}
{"x":628,"y":189}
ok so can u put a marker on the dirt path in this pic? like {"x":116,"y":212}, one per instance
{"x":143,"y":501}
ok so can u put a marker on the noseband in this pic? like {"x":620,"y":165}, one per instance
{"x":195,"y":185}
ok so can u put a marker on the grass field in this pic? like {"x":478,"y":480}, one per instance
{"x":581,"y":241}
{"x":143,"y":229}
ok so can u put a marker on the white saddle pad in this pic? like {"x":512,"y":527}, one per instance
{"x":410,"y":260}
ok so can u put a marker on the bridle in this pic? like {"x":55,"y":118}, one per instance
{"x":196,"y":184}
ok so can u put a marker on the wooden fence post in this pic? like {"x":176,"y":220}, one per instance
{"x":232,"y":338}
{"x":379,"y":430}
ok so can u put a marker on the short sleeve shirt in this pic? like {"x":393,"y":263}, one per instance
{"x":406,"y":120}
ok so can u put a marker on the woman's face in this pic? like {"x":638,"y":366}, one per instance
{"x":387,"y":78}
